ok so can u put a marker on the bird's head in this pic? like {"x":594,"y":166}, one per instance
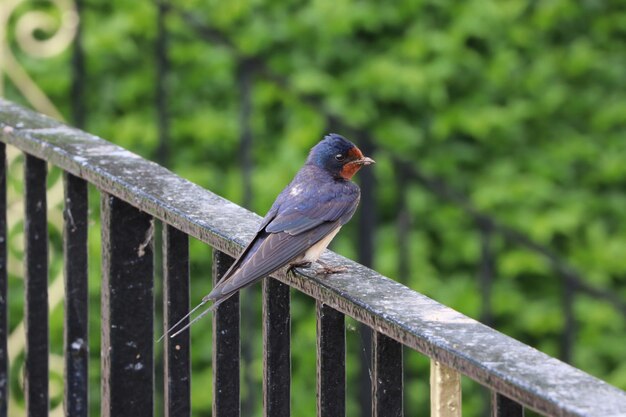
{"x":338,"y":156}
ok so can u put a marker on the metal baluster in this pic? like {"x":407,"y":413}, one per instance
{"x":276,"y":349}
{"x":226,"y":349}
{"x":502,"y":406}
{"x":445,"y":391}
{"x":177,"y":371}
{"x":331,"y":362}
{"x":76,"y":340}
{"x":4,"y":354}
{"x":127,"y":310}
{"x":387,"y":383}
{"x":36,"y":288}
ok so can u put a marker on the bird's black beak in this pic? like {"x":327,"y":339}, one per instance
{"x":365,"y":161}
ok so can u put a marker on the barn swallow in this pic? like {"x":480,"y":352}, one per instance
{"x":301,"y":223}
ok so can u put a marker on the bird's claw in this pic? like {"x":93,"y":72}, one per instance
{"x":333,"y":270}
{"x":323,"y":269}
{"x":328,"y":269}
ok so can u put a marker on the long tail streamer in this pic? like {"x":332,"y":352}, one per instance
{"x":195,"y":319}
{"x":179,"y":322}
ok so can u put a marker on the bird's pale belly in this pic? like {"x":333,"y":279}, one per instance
{"x":314,"y":252}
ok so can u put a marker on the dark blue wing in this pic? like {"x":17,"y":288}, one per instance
{"x":313,"y":203}
{"x":305,"y":212}
{"x":274,"y":251}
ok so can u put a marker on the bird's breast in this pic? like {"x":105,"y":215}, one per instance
{"x":313,"y":253}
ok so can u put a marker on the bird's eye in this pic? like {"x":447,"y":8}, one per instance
{"x":340,"y":157}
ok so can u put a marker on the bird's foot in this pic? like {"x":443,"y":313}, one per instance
{"x":328,"y":269}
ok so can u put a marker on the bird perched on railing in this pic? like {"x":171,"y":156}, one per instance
{"x":303,"y":220}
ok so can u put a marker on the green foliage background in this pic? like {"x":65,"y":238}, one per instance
{"x":519,"y":105}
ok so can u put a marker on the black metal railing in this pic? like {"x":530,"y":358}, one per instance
{"x":134,"y":192}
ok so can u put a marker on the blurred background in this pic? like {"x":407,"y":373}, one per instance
{"x":498,"y":128}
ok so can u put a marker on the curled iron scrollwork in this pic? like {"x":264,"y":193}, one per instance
{"x":40,"y":33}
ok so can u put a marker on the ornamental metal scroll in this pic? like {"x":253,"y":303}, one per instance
{"x":20,"y":28}
{"x":60,"y":24}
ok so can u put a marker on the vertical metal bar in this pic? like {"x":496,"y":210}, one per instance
{"x":4,"y":354}
{"x":502,"y":406}
{"x":445,"y":391}
{"x":367,"y":220}
{"x":331,"y":362}
{"x":387,"y":383}
{"x":36,"y":288}
{"x":76,"y":340}
{"x":276,"y":349}
{"x":177,"y":371}
{"x":127,"y":310}
{"x":245,"y":85}
{"x":226,"y":349}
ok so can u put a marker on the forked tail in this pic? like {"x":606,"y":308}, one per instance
{"x":211,"y":309}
